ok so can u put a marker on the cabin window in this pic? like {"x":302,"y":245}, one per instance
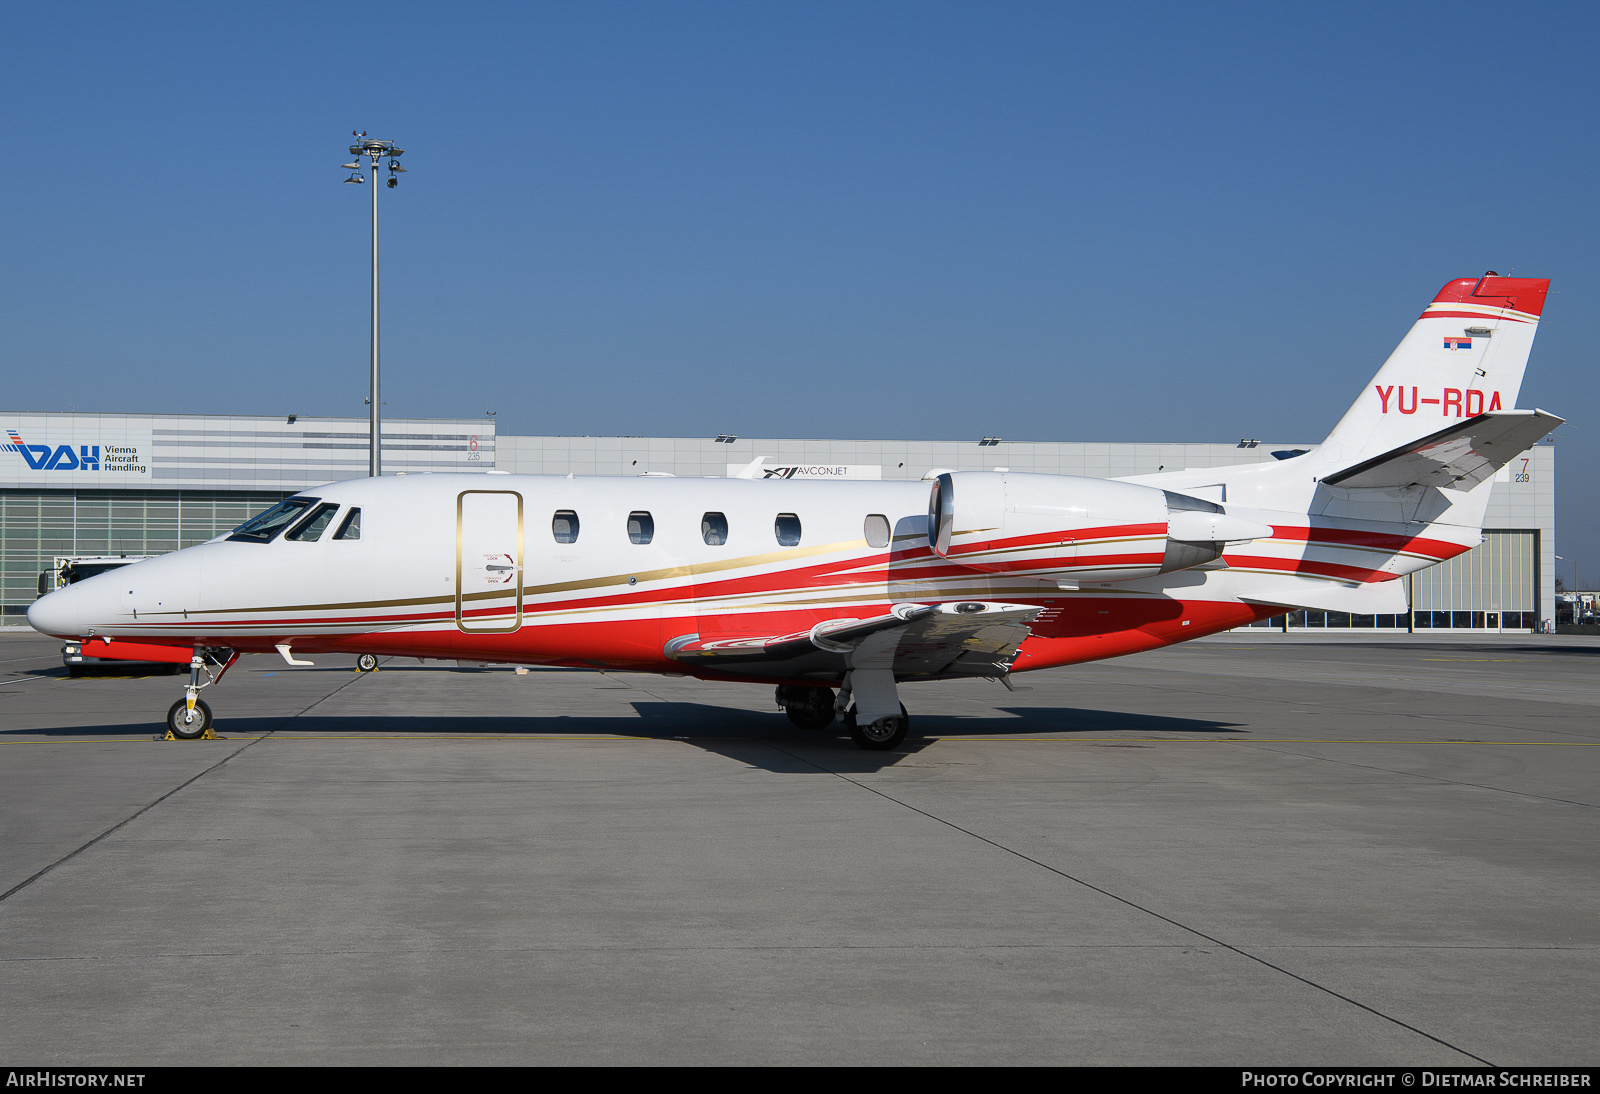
{"x":787,"y":529}
{"x":714,"y":529}
{"x":564,"y":526}
{"x":350,"y":527}
{"x":310,"y":530}
{"x":641,"y":527}
{"x":877,"y":530}
{"x":263,"y":527}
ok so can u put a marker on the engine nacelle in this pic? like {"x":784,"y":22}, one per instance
{"x":1071,"y":529}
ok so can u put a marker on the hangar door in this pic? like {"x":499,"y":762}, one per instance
{"x":1492,"y":587}
{"x":488,"y":561}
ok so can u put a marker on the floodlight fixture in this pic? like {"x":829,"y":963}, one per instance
{"x":376,"y":151}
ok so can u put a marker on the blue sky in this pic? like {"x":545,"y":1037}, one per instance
{"x":1042,"y":221}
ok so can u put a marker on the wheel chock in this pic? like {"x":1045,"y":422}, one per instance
{"x":208,"y":735}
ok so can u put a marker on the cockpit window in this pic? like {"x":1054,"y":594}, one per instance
{"x":350,"y":527}
{"x":310,"y":530}
{"x":262,"y":528}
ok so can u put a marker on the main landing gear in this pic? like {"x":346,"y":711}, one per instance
{"x":367,"y":662}
{"x":876,"y":729}
{"x":868,"y":700}
{"x":189,"y":719}
{"x":879,"y":735}
{"x":807,"y":707}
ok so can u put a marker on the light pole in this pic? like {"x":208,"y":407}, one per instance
{"x":376,"y":150}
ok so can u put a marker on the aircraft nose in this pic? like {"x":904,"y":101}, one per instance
{"x":56,"y":613}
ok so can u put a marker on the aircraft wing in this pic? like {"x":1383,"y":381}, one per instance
{"x":1457,"y":458}
{"x":977,"y":638}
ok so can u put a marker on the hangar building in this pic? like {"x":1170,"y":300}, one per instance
{"x":128,"y":484}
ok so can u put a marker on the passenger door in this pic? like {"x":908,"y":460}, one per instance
{"x":488,"y":561}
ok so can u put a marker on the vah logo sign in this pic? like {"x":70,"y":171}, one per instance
{"x":124,"y":458}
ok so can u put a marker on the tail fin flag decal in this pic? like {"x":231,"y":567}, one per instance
{"x":1464,"y":357}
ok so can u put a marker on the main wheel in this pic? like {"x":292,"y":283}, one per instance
{"x":187,"y":726}
{"x":810,"y":717}
{"x":884,"y":734}
{"x":808,"y":706}
{"x":367,"y":662}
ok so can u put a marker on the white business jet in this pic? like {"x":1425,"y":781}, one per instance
{"x":840,"y":592}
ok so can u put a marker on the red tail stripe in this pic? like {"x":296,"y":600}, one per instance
{"x":1305,"y":566}
{"x":1349,"y":537}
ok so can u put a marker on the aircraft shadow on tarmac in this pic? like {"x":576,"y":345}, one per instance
{"x":761,"y":739}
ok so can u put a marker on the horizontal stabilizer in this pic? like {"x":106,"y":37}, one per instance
{"x":1321,"y":595}
{"x":1457,"y":458}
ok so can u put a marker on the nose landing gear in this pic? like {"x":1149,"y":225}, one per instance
{"x":189,"y":719}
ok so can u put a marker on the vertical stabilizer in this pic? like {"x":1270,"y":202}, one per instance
{"x":1464,"y":356}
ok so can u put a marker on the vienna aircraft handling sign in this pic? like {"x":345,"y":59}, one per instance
{"x":76,"y":453}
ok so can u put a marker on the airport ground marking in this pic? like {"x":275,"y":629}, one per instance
{"x":1246,"y":954}
{"x":70,"y":855}
{"x":1241,"y":741}
{"x":312,"y":735}
{"x":1444,"y":781}
{"x":21,"y":885}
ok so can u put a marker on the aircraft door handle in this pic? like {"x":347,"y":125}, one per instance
{"x":492,"y":567}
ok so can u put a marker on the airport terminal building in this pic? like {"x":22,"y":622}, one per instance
{"x":136,"y":485}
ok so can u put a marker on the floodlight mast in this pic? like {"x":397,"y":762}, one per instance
{"x":376,"y":150}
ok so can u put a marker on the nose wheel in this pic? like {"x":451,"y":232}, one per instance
{"x":189,"y":724}
{"x":189,"y":719}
